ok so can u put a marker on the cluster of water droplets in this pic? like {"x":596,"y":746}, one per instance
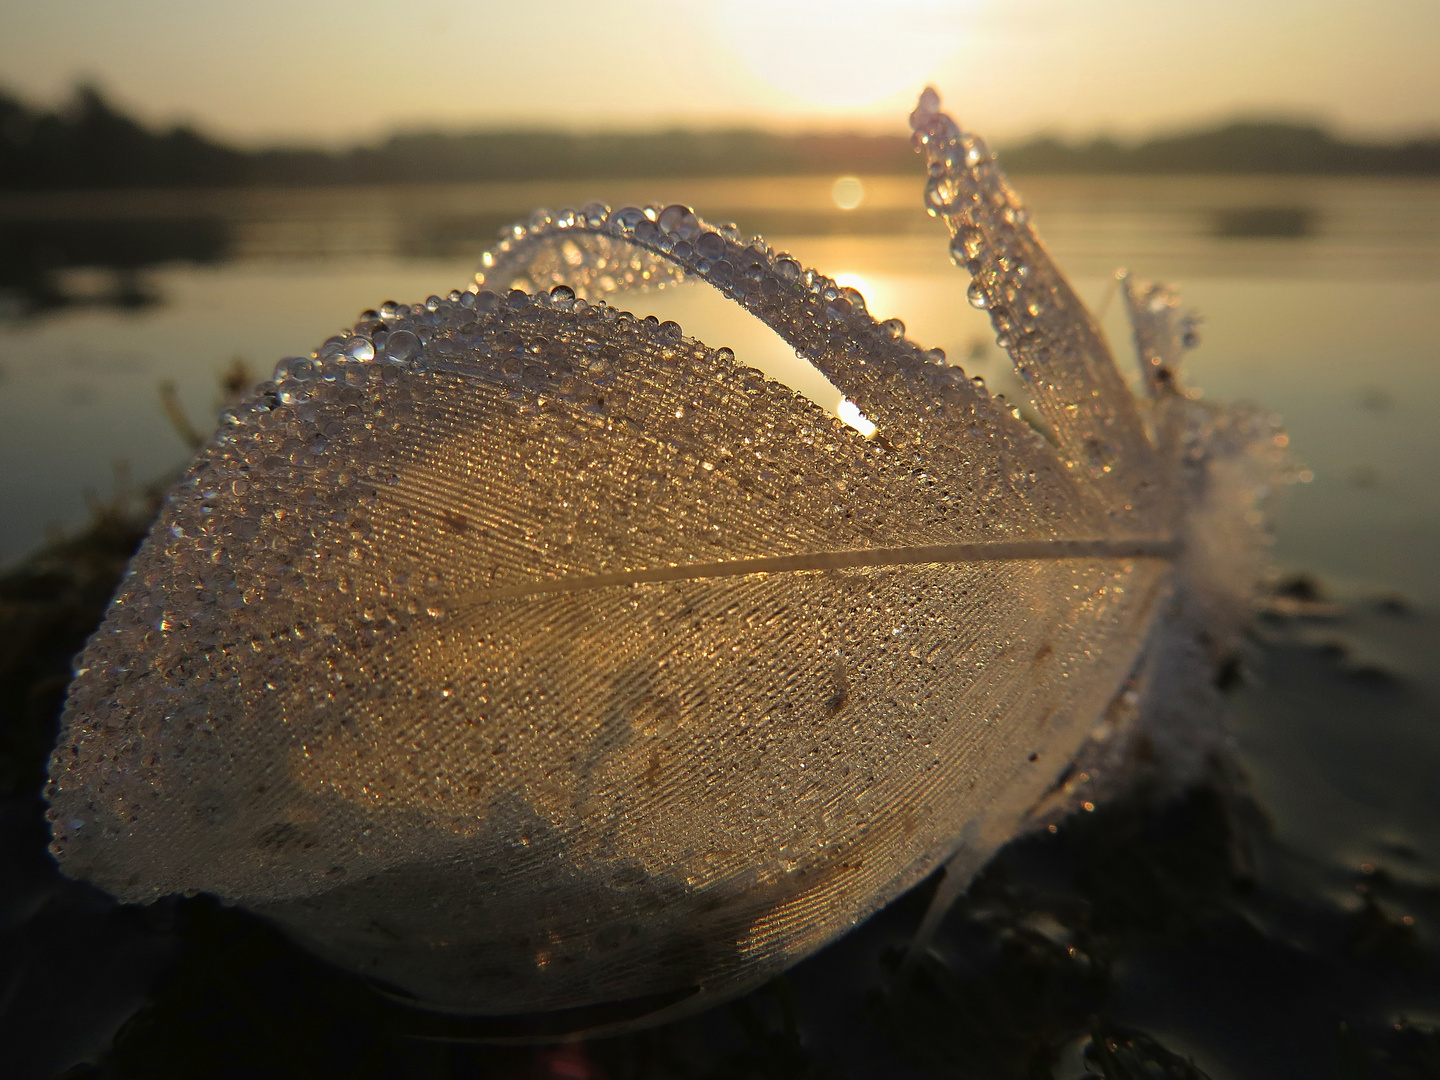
{"x":656,"y":244}
{"x":920,"y":403}
{"x":1057,"y":350}
{"x":301,"y":682}
{"x":313,"y":450}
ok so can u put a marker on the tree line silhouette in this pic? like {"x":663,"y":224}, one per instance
{"x":88,"y":143}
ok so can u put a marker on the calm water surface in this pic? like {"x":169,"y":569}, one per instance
{"x":1332,"y":319}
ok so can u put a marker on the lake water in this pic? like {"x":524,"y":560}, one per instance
{"x":1332,"y":319}
{"x":1321,"y":301}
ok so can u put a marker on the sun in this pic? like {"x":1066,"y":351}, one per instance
{"x":842,"y":53}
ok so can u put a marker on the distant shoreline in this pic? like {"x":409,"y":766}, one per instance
{"x":88,"y":145}
{"x":718,"y":196}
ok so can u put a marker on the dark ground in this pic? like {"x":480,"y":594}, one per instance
{"x":1179,"y":940}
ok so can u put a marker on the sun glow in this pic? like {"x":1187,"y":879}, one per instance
{"x":842,"y":53}
{"x":860,"y":284}
{"x":850,"y":414}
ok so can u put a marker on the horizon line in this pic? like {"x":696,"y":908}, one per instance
{"x":1045,"y":132}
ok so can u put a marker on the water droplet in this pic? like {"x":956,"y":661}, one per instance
{"x":710,"y":246}
{"x":967,"y":243}
{"x":976,"y":295}
{"x":299,"y":368}
{"x":360,"y":348}
{"x":943,"y":190}
{"x":925,"y":109}
{"x":562,"y":295}
{"x":402,"y":346}
{"x":672,"y":218}
{"x":854,"y":298}
{"x":725,"y":355}
{"x":628,"y":217}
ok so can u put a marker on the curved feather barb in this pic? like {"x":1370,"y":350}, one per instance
{"x":527,"y":655}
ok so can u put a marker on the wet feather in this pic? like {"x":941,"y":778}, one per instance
{"x":526,"y":655}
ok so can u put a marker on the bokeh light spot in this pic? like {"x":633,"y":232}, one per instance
{"x":848,"y":192}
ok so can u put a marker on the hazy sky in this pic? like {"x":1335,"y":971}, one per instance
{"x":338,"y":70}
